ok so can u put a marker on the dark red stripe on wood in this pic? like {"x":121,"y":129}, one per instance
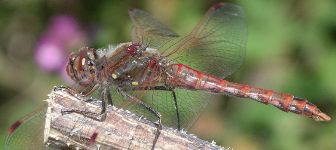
{"x":93,"y":138}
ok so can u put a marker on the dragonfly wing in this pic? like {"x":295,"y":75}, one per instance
{"x":149,"y":31}
{"x":27,"y":133}
{"x":189,"y":103}
{"x":217,"y":44}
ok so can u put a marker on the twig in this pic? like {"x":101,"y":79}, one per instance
{"x":82,"y":128}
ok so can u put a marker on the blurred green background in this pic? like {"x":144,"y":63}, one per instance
{"x":291,"y":48}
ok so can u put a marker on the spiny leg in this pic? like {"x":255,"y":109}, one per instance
{"x":104,"y":95}
{"x":109,"y":98}
{"x":174,"y":99}
{"x":177,"y":110}
{"x":102,"y":98}
{"x":150,"y":109}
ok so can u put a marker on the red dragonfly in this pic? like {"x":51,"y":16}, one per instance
{"x":170,"y":79}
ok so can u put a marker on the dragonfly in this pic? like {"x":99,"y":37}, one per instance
{"x":170,"y":79}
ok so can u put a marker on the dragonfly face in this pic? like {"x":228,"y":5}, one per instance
{"x":81,"y":67}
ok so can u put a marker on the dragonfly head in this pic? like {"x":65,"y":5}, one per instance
{"x":81,"y":67}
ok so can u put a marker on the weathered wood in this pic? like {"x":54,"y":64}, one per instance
{"x":82,"y":128}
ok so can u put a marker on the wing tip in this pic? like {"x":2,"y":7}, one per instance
{"x":230,"y":8}
{"x":217,"y":5}
{"x":14,"y":126}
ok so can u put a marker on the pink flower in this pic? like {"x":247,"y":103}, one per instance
{"x":63,"y":33}
{"x":50,"y":56}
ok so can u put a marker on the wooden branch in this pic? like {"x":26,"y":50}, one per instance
{"x":81,"y":127}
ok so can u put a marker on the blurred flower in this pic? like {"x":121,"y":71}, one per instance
{"x":50,"y":56}
{"x":62,"y":34}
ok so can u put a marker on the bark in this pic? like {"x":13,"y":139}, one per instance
{"x":73,"y":122}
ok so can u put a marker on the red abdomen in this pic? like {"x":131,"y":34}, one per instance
{"x":181,"y":76}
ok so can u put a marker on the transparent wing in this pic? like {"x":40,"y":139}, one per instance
{"x":27,"y":133}
{"x":216,"y":45}
{"x":189,"y":104}
{"x":147,"y":30}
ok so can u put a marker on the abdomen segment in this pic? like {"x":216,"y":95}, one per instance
{"x":185,"y":77}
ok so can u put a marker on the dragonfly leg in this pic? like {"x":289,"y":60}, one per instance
{"x":95,"y":116}
{"x":164,"y":88}
{"x":109,"y":98}
{"x":104,"y":95}
{"x":177,"y":110}
{"x":150,"y":109}
{"x":103,"y":105}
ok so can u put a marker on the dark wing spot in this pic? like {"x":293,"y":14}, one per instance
{"x":14,"y":126}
